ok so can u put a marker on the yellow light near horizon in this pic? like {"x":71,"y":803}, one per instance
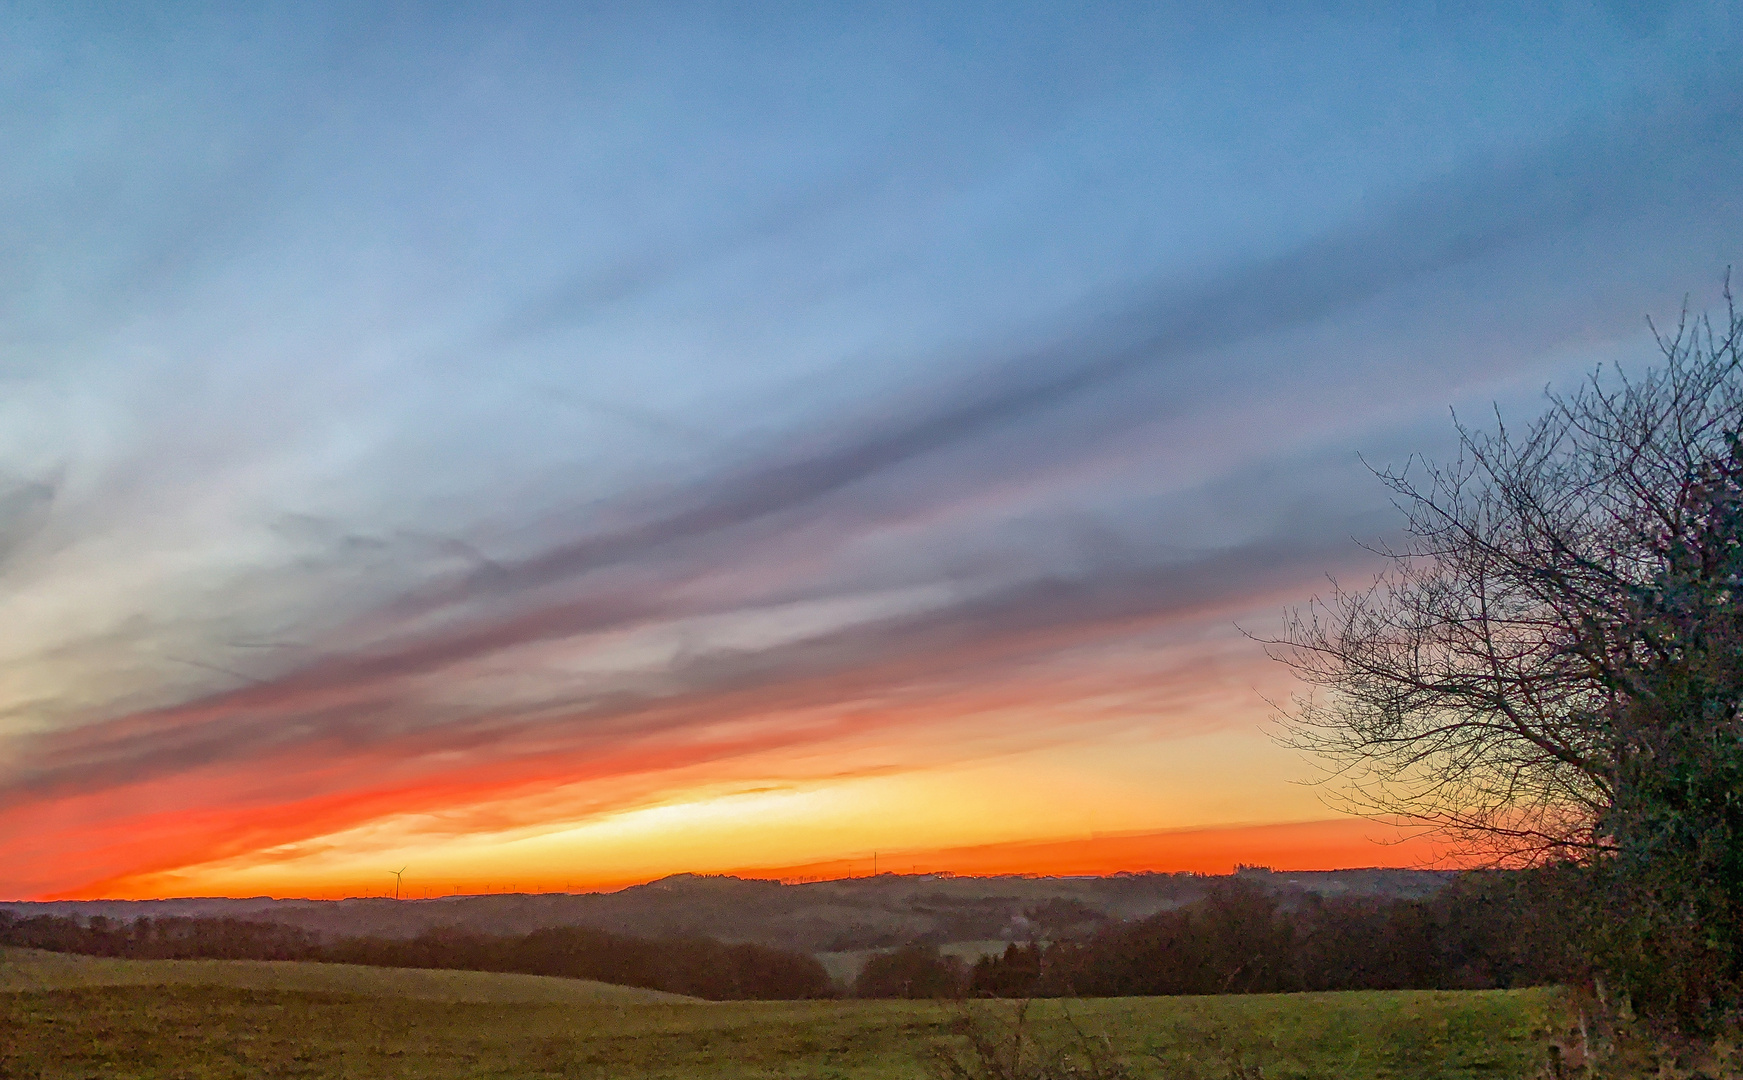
{"x":714,"y":826}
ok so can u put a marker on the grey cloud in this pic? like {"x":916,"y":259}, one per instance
{"x":655,"y":263}
{"x":1689,"y":161}
{"x":706,"y":530}
{"x":1117,"y":367}
{"x":360,"y":707}
{"x":1298,"y":525}
{"x":24,"y":508}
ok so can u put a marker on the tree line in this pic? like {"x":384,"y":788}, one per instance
{"x":695,"y":966}
{"x":1484,"y":931}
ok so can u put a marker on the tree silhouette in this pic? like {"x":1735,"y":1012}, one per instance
{"x":1552,"y":667}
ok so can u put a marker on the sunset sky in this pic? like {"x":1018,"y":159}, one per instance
{"x":551,"y":447}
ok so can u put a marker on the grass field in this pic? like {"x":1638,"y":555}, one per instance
{"x":66,"y":1017}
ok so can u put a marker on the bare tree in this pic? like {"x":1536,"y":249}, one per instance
{"x":1561,"y":634}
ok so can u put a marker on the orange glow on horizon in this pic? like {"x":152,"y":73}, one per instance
{"x":1330,"y":844}
{"x":314,"y":817}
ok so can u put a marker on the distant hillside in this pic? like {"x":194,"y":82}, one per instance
{"x":825,"y":916}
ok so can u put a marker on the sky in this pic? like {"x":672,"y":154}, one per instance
{"x":555,"y":446}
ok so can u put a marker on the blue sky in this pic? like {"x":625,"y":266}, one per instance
{"x":462,"y":387}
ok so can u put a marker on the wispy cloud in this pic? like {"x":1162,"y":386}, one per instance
{"x":414,"y":477}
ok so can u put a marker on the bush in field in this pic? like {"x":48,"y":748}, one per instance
{"x":916,"y":971}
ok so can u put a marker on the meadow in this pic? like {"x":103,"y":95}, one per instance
{"x":65,"y":1017}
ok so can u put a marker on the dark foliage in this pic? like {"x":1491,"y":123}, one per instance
{"x":1552,"y":667}
{"x":1488,"y":930}
{"x":160,"y":939}
{"x":917,"y":971}
{"x":1064,"y":917}
{"x":701,"y":967}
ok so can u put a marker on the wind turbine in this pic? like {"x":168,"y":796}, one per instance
{"x":396,"y":878}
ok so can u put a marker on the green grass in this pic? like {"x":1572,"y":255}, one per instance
{"x":214,"y":1020}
